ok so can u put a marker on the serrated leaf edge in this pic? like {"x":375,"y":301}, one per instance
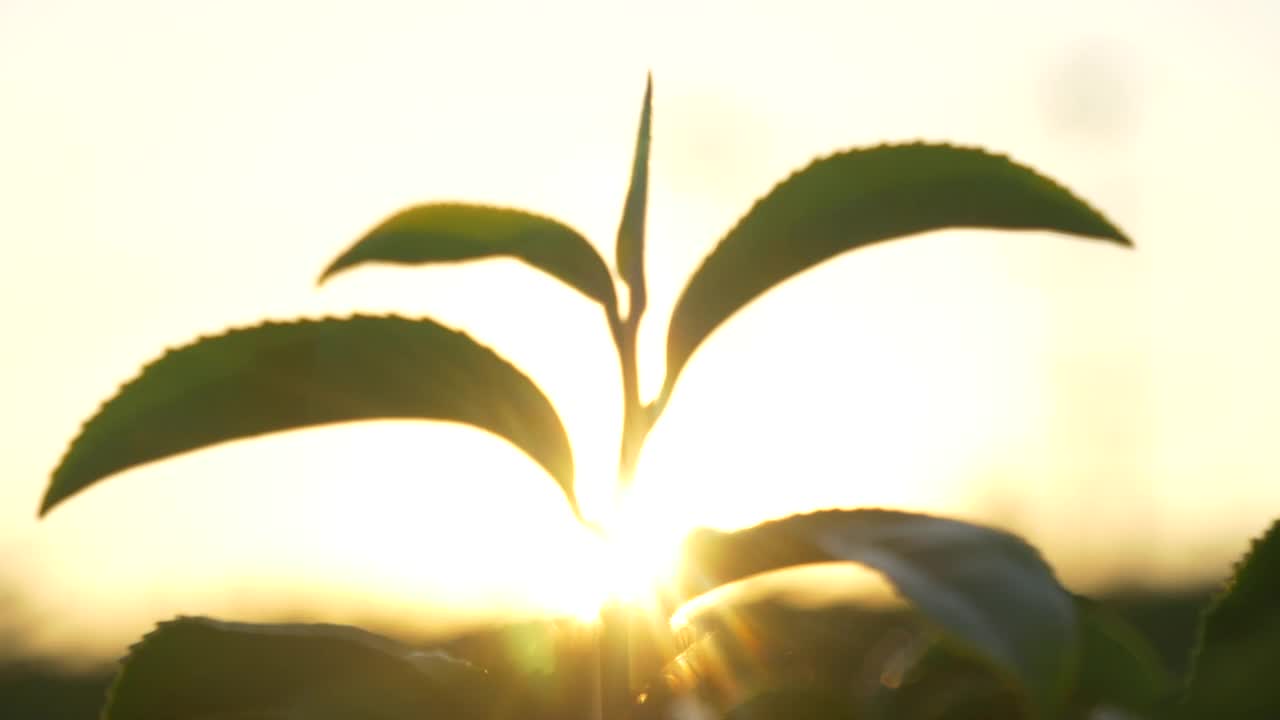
{"x":1220,"y":597}
{"x":46,"y":507}
{"x":610,"y":302}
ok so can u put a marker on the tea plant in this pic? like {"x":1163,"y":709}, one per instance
{"x":990,"y":603}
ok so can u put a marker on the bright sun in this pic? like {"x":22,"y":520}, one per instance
{"x":639,"y":555}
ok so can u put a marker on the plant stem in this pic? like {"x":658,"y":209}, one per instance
{"x":615,"y":646}
{"x":615,"y":617}
{"x":615,"y":660}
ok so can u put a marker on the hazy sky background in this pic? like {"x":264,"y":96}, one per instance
{"x":169,"y":169}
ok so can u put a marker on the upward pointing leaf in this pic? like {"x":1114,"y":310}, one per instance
{"x":277,"y":377}
{"x":450,"y":232}
{"x":1233,"y":672}
{"x":985,"y":588}
{"x":631,"y":229}
{"x":202,"y":668}
{"x":856,"y":198}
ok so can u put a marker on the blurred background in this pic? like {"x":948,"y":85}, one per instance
{"x":168,"y":170}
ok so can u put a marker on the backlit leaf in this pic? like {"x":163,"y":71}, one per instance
{"x":983,"y":587}
{"x":857,"y":198}
{"x":451,"y":232}
{"x":730,"y":651}
{"x":281,"y":376}
{"x":1234,"y":667}
{"x":631,"y":230}
{"x":202,"y":668}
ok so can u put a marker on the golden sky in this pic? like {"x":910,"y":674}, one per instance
{"x":171,"y":169}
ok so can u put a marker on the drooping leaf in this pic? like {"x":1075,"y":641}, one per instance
{"x":1237,"y":657}
{"x":630,"y":251}
{"x":281,"y":376}
{"x":201,"y":668}
{"x":939,"y":681}
{"x":452,"y":232}
{"x":985,"y":588}
{"x":1118,"y":666}
{"x":730,"y":651}
{"x":856,"y":198}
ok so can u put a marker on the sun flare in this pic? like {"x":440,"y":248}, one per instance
{"x":632,"y":561}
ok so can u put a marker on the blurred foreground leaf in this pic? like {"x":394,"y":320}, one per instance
{"x":794,"y":704}
{"x":1118,"y":667}
{"x":985,"y":588}
{"x":1235,"y":671}
{"x":211,"y":670}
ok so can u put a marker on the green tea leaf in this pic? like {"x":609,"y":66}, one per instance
{"x":1234,"y":666}
{"x":983,"y":587}
{"x":450,"y":232}
{"x":281,"y":376}
{"x":201,"y":668}
{"x":856,"y":198}
{"x":1118,"y":667}
{"x":630,"y":252}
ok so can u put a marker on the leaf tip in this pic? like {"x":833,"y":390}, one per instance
{"x":46,"y":504}
{"x":332,"y":269}
{"x":57,"y":491}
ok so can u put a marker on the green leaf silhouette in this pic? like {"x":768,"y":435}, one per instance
{"x":986,"y":588}
{"x":201,"y":668}
{"x":630,"y":251}
{"x":452,"y":232}
{"x":1118,"y":667}
{"x":856,"y":198}
{"x":281,"y":376}
{"x":1235,"y":663}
